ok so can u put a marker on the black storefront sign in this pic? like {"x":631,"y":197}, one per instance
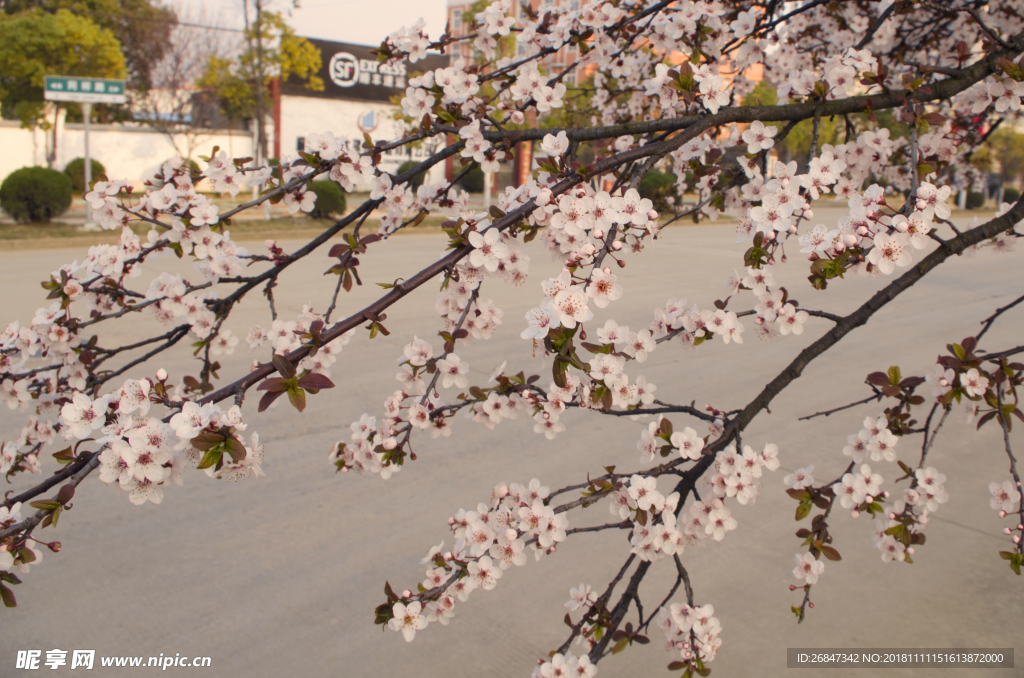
{"x":353,"y":72}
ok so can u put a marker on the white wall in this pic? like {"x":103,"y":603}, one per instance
{"x":301,"y":116}
{"x":126,"y":152}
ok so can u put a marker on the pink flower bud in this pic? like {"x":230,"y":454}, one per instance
{"x":598,"y":233}
{"x":1016,"y":539}
{"x":501,"y":490}
{"x":810,"y":605}
{"x":791,"y":230}
{"x":652,"y":215}
{"x":161,"y":374}
{"x":518,"y":117}
{"x":1007,"y":531}
{"x":808,"y":214}
{"x":406,"y":593}
{"x":759,"y":320}
{"x":849,"y":240}
{"x":910,"y":550}
{"x":862,"y":230}
{"x":616,"y":246}
{"x":855,"y":514}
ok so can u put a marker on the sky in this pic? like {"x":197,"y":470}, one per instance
{"x":365,"y":22}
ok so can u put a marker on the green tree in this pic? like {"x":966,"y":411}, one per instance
{"x":34,"y":44}
{"x":143,"y":28}
{"x":271,"y":50}
{"x":1006,"y":149}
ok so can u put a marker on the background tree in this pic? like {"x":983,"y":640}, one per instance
{"x":270,"y":50}
{"x":34,"y":44}
{"x":1006,"y":148}
{"x":142,"y":27}
{"x":176,"y":104}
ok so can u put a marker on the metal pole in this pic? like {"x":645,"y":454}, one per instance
{"x":488,"y":177}
{"x":87,"y":114}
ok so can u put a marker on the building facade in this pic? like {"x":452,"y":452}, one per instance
{"x":360,"y":97}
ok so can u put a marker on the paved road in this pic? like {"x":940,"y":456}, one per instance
{"x":280,"y":576}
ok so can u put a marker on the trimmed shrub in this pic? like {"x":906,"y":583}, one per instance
{"x":417,"y":180}
{"x":1011,"y":195}
{"x":473,"y":182}
{"x":330,"y":200}
{"x":975,"y":200}
{"x":76,"y":172}
{"x":35,"y":194}
{"x":657,"y":186}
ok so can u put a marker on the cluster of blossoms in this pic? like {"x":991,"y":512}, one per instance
{"x":29,"y":553}
{"x":693,"y":632}
{"x":285,"y":336}
{"x":488,"y":541}
{"x":143,"y":454}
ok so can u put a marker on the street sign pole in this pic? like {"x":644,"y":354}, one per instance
{"x":85,"y":91}
{"x":87,"y":115}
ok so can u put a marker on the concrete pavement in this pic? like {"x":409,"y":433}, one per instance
{"x":280,"y":575}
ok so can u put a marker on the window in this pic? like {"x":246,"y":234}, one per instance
{"x":456,"y":19}
{"x":300,"y":144}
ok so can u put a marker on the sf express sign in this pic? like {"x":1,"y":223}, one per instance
{"x":347,"y":70}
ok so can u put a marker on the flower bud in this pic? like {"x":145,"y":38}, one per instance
{"x":616,"y":246}
{"x":1006,"y":530}
{"x":759,"y":320}
{"x":517,"y":117}
{"x":652,"y":215}
{"x":810,"y":605}
{"x":791,"y":230}
{"x":855,"y":514}
{"x":501,"y":490}
{"x":862,"y":230}
{"x":406,"y":593}
{"x":598,"y":233}
{"x":808,"y":214}
{"x":910,"y":550}
{"x":161,"y":374}
{"x":1016,"y":539}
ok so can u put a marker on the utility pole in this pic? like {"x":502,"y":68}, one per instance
{"x":260,"y":115}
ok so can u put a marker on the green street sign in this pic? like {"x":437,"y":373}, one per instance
{"x":84,"y":90}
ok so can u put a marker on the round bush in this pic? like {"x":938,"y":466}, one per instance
{"x":1011,"y":195}
{"x":417,"y":180}
{"x":76,"y":172}
{"x":473,"y":182}
{"x":330,"y":200}
{"x":657,"y":186}
{"x":975,"y":200}
{"x":35,"y":194}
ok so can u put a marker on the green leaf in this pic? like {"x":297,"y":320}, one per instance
{"x":802,"y":510}
{"x":620,"y":646}
{"x":8,"y":596}
{"x":298,"y":398}
{"x":894,"y":375}
{"x":211,"y":458}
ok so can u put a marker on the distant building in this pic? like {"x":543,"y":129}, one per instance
{"x":356,"y":99}
{"x":460,"y":14}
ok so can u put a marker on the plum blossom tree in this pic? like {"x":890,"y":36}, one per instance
{"x":661,"y":82}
